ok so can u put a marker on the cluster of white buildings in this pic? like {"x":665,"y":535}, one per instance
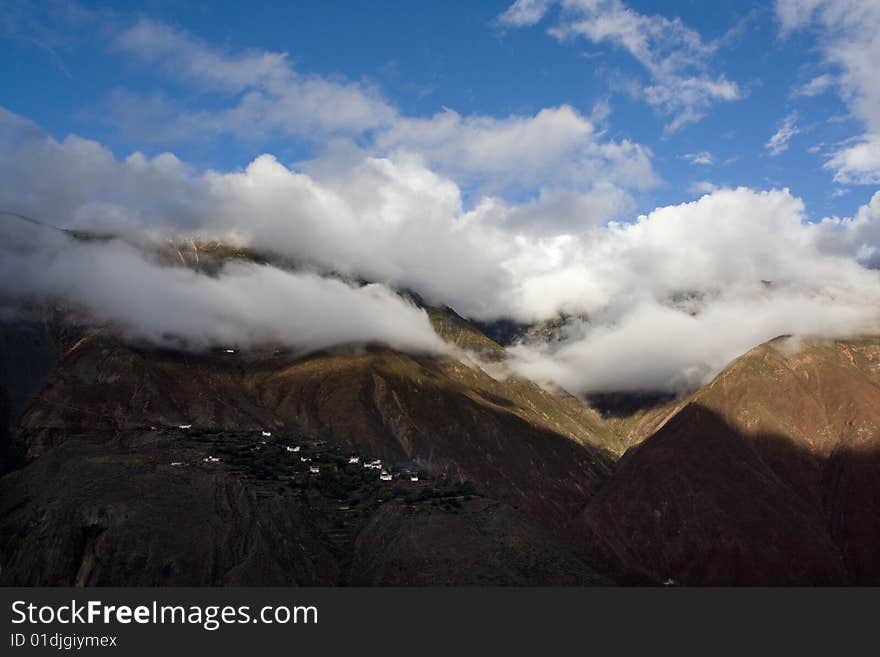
{"x":384,"y":475}
{"x":375,"y":464}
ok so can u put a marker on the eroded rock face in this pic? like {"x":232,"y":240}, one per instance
{"x":769,"y":475}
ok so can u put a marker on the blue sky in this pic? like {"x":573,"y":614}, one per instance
{"x":62,"y":72}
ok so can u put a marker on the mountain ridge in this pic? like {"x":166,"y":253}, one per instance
{"x":765,"y":475}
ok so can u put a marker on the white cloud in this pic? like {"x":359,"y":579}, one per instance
{"x":557,"y":145}
{"x":703,"y":187}
{"x":114,"y":284}
{"x":815,"y":87}
{"x":266,"y":94}
{"x":658,"y":347}
{"x":778,"y":142}
{"x":678,"y":291}
{"x":674,"y":55}
{"x":555,"y":212}
{"x":525,"y":13}
{"x":555,"y":153}
{"x":848,"y":35}
{"x":704,"y":158}
{"x":857,"y":236}
{"x":685,"y":289}
{"x":858,"y":164}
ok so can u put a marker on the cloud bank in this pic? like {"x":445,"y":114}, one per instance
{"x":658,"y":303}
{"x":116,"y":285}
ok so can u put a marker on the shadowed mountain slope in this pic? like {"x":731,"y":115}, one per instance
{"x":768,"y":475}
{"x":144,"y":508}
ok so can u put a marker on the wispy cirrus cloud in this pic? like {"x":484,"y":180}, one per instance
{"x":703,"y":158}
{"x":847,"y":35}
{"x":674,"y":55}
{"x":703,"y":187}
{"x":816,"y":86}
{"x":778,"y":142}
{"x":268,"y":95}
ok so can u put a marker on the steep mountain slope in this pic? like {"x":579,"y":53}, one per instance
{"x":767,"y":475}
{"x":528,"y":447}
{"x":144,"y":508}
{"x":100,"y":497}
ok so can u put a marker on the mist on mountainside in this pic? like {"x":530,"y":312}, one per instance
{"x":661,"y":303}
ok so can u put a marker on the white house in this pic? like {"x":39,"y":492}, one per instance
{"x":230,"y":351}
{"x":267,"y":434}
{"x":314,"y":469}
{"x":211,"y":459}
{"x":385,"y":476}
{"x":176,"y":463}
{"x":304,"y":459}
{"x":414,"y":477}
{"x":354,"y":459}
{"x":185,"y":426}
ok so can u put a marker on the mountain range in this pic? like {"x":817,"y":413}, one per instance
{"x":127,"y":464}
